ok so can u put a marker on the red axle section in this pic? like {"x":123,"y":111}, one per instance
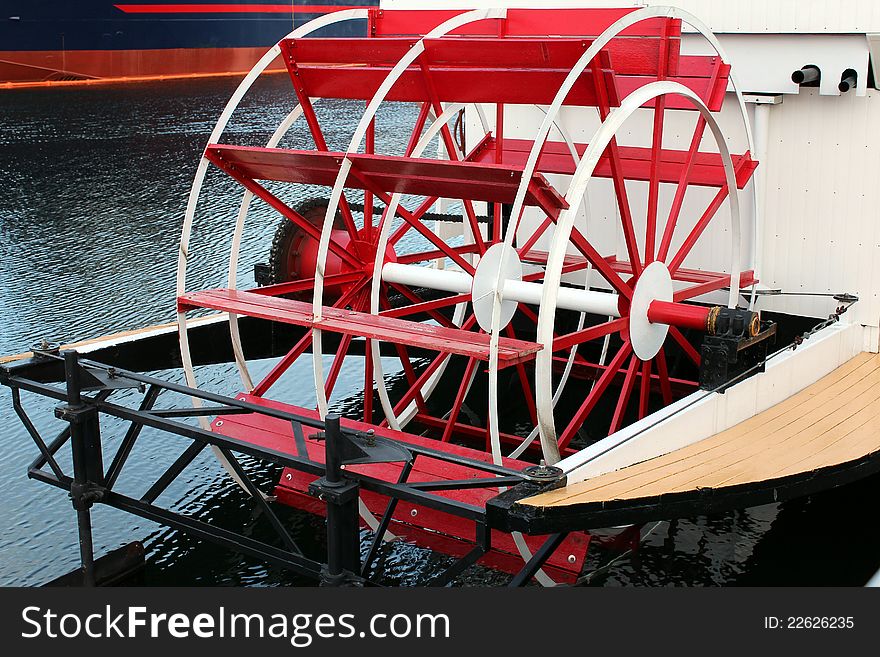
{"x":682,"y":315}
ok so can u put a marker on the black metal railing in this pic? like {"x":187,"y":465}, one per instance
{"x":86,"y":395}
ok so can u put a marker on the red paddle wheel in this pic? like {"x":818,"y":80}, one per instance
{"x":504,"y":331}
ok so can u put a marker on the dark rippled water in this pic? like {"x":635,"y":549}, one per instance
{"x":94,"y":183}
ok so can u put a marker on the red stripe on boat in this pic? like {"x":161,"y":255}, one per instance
{"x":235,"y":9}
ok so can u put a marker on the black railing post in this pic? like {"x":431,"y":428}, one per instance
{"x":85,"y":441}
{"x":341,"y":496}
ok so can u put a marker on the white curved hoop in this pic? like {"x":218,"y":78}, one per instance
{"x":196,"y":189}
{"x":580,"y":181}
{"x":243,"y":209}
{"x":531,"y":163}
{"x":338,"y":186}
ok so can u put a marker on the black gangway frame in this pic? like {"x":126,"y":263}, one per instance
{"x":88,"y":385}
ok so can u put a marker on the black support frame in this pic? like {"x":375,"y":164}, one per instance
{"x":89,"y":484}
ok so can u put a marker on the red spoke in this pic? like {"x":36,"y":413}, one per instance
{"x":471,"y":432}
{"x":415,"y":388}
{"x":625,"y":393}
{"x":429,"y":201}
{"x":369,"y":147}
{"x":535,"y":236}
{"x":592,"y":399}
{"x":686,"y":346}
{"x":320,"y":142}
{"x":499,"y":157}
{"x":654,"y":183}
{"x":318,"y":137}
{"x":280,"y":206}
{"x":299,"y":348}
{"x":697,"y":230}
{"x":701,"y":288}
{"x":590,"y":333}
{"x":459,"y":400}
{"x":683,"y":181}
{"x":408,"y":217}
{"x":451,"y":149}
{"x":416,"y":214}
{"x":524,"y":382}
{"x":573,"y":265}
{"x":282,"y":365}
{"x":529,"y":313}
{"x":411,"y":378}
{"x":600,"y":264}
{"x":336,"y":366}
{"x":443,"y":320}
{"x":680,"y":190}
{"x":425,"y":256}
{"x":645,"y":390}
{"x":342,"y":350}
{"x":613,"y":154}
{"x":663,"y":375}
{"x":656,"y":148}
{"x":417,"y":128}
{"x":445,"y":302}
{"x":305,"y":284}
{"x":406,"y":363}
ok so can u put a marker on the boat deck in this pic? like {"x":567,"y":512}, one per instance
{"x":831,"y":423}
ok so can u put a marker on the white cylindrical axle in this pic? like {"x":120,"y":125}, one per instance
{"x":569,"y":298}
{"x":434,"y":279}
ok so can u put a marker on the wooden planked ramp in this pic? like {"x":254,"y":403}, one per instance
{"x":832,"y":423}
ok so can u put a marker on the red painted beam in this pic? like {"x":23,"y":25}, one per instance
{"x":584,"y":22}
{"x":427,"y":527}
{"x":707,"y":169}
{"x":476,"y":181}
{"x":349,"y":322}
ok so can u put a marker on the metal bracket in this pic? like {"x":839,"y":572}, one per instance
{"x":728,"y":355}
{"x":85,"y":495}
{"x":334,"y":492}
{"x":362,"y":447}
{"x":97,"y":378}
{"x":78,"y":414}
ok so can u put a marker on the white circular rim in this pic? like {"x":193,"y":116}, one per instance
{"x":654,"y":284}
{"x":551,"y":454}
{"x":486,"y":277}
{"x":580,"y":182}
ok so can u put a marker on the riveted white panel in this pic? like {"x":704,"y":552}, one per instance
{"x":822,"y":215}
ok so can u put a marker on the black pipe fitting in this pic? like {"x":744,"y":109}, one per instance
{"x":847,"y":80}
{"x":808,"y":76}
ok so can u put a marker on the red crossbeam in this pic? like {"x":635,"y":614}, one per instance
{"x":349,"y":322}
{"x":422,"y":525}
{"x":584,"y":22}
{"x":574,"y":262}
{"x":707,"y":169}
{"x":630,"y":56}
{"x":498,"y":70}
{"x":480,"y":71}
{"x":475,"y":181}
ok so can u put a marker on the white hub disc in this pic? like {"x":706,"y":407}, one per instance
{"x":654,"y":284}
{"x":483,"y":290}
